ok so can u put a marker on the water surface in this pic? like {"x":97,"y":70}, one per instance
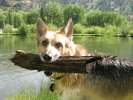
{"x":13,"y":78}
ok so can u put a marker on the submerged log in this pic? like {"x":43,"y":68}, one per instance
{"x":106,"y":66}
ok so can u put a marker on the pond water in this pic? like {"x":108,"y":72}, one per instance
{"x":12,"y":78}
{"x":117,"y":46}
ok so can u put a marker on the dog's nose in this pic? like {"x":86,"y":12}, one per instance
{"x":47,"y":57}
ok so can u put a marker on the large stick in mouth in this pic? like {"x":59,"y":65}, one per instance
{"x":106,"y":66}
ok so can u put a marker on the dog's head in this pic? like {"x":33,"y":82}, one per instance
{"x":53,"y":44}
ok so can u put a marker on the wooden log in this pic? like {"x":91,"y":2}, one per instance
{"x":66,"y":64}
{"x":105,"y":66}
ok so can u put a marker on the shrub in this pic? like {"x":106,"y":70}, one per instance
{"x":31,"y":17}
{"x":78,"y":28}
{"x":8,"y":29}
{"x":98,"y":18}
{"x":52,"y":13}
{"x":32,"y":28}
{"x":53,"y":27}
{"x":18,"y":19}
{"x":14,"y":18}
{"x":75,"y":12}
{"x":10,"y":17}
{"x":23,"y":29}
{"x":112,"y":30}
{"x":95,"y":30}
{"x":2,"y":20}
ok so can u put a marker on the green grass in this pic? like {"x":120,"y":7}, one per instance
{"x":43,"y":95}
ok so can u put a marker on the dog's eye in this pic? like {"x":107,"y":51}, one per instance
{"x":45,"y":42}
{"x":58,"y":45}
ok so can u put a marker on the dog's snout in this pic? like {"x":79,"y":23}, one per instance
{"x":46,"y":57}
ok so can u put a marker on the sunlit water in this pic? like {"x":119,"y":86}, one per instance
{"x":13,"y":78}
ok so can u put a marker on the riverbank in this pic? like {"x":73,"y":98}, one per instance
{"x":95,"y":35}
{"x":94,"y":22}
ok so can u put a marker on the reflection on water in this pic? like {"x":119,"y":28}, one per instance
{"x":13,"y":75}
{"x":8,"y":44}
{"x":116,"y":46}
{"x":122,"y":47}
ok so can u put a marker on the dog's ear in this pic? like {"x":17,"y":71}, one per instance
{"x":69,"y":29}
{"x":41,"y":27}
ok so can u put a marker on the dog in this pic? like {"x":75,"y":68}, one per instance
{"x":53,"y":44}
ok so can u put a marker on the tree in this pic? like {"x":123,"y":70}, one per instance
{"x":75,"y":12}
{"x":52,"y":13}
{"x":2,"y":20}
{"x":31,"y":17}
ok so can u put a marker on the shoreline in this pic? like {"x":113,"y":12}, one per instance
{"x":95,"y":35}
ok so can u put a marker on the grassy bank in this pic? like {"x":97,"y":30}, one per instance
{"x":43,"y":95}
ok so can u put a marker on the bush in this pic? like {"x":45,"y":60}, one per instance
{"x":32,"y":28}
{"x":14,"y":18}
{"x":78,"y":28}
{"x":8,"y":29}
{"x":75,"y":12}
{"x":18,"y":19}
{"x":31,"y":17}
{"x":95,"y":30}
{"x":112,"y":30}
{"x":53,"y":27}
{"x":10,"y":17}
{"x":98,"y":18}
{"x":52,"y":13}
{"x":23,"y":29}
{"x":2,"y":20}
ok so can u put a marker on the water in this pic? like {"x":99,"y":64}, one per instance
{"x":13,"y":78}
{"x":117,"y":46}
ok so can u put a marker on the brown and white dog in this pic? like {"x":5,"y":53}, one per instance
{"x":52,"y":44}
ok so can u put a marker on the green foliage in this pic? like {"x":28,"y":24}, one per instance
{"x":52,"y":13}
{"x":14,"y":18}
{"x":78,"y":28}
{"x":95,"y":30}
{"x":98,"y":18}
{"x":23,"y":29}
{"x":32,"y":28}
{"x":8,"y":29}
{"x":108,"y":30}
{"x":10,"y":17}
{"x":18,"y":19}
{"x":2,"y":20}
{"x":53,"y":27}
{"x":75,"y":12}
{"x":111,"y":30}
{"x":31,"y":17}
